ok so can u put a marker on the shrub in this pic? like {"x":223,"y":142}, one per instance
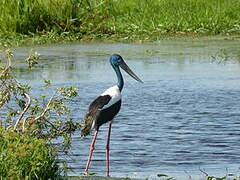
{"x":29,"y":123}
{"x":24,"y":157}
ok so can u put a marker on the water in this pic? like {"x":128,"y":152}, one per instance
{"x":184,"y":117}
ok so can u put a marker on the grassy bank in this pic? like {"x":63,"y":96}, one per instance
{"x":28,"y":21}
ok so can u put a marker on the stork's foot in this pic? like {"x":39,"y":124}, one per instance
{"x":86,"y":173}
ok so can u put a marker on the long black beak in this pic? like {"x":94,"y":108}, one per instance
{"x":125,"y":67}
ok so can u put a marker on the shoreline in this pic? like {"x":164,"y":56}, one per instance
{"x":38,"y":39}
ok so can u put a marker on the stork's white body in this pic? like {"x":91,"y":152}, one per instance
{"x":115,"y":95}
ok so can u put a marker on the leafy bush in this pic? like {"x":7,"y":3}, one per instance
{"x":29,"y":123}
{"x":43,"y":116}
{"x":24,"y":157}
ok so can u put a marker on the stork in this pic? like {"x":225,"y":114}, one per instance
{"x":104,"y":108}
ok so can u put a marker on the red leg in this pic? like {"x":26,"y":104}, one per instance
{"x":108,"y":147}
{"x":91,"y":151}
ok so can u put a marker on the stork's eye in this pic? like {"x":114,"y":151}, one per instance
{"x":119,"y":60}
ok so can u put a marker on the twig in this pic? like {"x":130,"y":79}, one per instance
{"x":8,"y":66}
{"x":189,"y":176}
{"x":27,"y":107}
{"x":206,"y":174}
{"x":45,"y":110}
{"x":10,"y":126}
{"x":23,"y":112}
{"x":51,"y":124}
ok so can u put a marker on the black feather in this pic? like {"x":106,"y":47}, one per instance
{"x":108,"y":114}
{"x":93,"y":114}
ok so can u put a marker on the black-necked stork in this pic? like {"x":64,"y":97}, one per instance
{"x":105,"y":107}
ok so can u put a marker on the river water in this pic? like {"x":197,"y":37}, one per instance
{"x":184,"y":117}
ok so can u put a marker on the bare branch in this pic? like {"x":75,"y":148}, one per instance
{"x":47,"y":108}
{"x":23,"y":112}
{"x":8,"y":66}
{"x":9,"y":127}
{"x":206,"y":174}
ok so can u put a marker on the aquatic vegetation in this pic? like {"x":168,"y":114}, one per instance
{"x":59,"y":20}
{"x":227,"y":176}
{"x":165,"y":176}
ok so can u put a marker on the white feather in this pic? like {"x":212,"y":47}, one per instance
{"x":115,"y":94}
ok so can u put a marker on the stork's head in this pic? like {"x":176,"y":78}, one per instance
{"x":117,"y":61}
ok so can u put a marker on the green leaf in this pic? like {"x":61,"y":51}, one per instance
{"x":21,"y":103}
{"x":47,"y":83}
{"x":68,"y":92}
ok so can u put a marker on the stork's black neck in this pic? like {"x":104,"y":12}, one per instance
{"x":119,"y":76}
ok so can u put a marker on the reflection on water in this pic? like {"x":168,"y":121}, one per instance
{"x":184,"y":117}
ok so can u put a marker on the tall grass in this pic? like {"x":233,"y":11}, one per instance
{"x":24,"y":16}
{"x":123,"y":18}
{"x":171,"y":16}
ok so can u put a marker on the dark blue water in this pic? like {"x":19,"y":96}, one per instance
{"x":184,"y":117}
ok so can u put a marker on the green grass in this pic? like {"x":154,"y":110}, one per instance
{"x":171,"y":16}
{"x":23,"y":157}
{"x":103,"y":19}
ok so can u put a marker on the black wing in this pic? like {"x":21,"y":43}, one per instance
{"x":93,"y":112}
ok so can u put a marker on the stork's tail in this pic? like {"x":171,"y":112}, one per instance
{"x":88,"y":125}
{"x":85,"y":131}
